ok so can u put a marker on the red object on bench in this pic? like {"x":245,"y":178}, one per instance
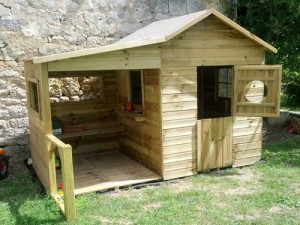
{"x":75,"y":127}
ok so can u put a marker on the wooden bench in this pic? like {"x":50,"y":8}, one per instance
{"x":78,"y":133}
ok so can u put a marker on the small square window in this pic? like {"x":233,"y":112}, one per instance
{"x":135,"y":87}
{"x":33,"y":96}
{"x":224,"y":82}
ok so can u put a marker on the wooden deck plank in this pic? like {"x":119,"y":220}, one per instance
{"x":98,"y":172}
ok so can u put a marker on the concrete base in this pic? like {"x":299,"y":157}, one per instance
{"x":281,"y":120}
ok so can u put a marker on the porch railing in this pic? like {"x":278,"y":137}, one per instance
{"x":67,"y":200}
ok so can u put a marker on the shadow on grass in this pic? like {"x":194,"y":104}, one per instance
{"x":24,"y":203}
{"x":287,"y":153}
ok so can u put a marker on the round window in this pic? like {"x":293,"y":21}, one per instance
{"x":255,"y":91}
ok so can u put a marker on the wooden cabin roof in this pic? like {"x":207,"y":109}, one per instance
{"x":157,"y":32}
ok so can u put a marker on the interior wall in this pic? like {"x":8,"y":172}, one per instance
{"x":208,"y":43}
{"x":94,"y":115}
{"x":142,"y":140}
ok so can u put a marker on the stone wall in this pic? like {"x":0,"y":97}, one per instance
{"x":42,"y":27}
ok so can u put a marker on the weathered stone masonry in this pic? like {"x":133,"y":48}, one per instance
{"x":42,"y":27}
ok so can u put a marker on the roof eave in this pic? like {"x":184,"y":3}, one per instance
{"x":248,"y":34}
{"x":92,"y":51}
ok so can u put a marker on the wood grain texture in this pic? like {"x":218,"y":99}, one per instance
{"x":214,"y":143}
{"x":247,"y":99}
{"x":99,"y":118}
{"x":247,"y":140}
{"x":142,"y":140}
{"x":179,"y":118}
{"x":98,"y":172}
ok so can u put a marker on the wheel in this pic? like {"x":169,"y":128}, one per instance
{"x":3,"y":168}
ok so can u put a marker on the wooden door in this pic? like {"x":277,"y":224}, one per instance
{"x":214,"y":143}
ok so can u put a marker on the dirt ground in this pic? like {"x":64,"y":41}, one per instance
{"x":275,"y":134}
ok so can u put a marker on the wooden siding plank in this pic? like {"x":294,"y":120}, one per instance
{"x":179,"y":123}
{"x":179,"y":71}
{"x":179,"y":106}
{"x":106,"y":64}
{"x":190,"y":97}
{"x":250,"y":122}
{"x":179,"y":165}
{"x":247,"y":131}
{"x":175,"y":132}
{"x":247,"y":154}
{"x":210,"y":44}
{"x":184,"y":88}
{"x":179,"y":173}
{"x":185,"y":114}
{"x":246,"y":161}
{"x":209,"y":53}
{"x":213,"y":61}
{"x":179,"y":140}
{"x":187,"y":147}
{"x":183,"y":156}
{"x":247,"y":146}
{"x":247,"y":138}
{"x":174,"y":80}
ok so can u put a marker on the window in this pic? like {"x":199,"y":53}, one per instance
{"x":33,"y":96}
{"x":135,"y":87}
{"x":214,"y":91}
{"x":76,"y":89}
{"x":224,"y":82}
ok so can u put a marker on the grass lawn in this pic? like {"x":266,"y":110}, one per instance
{"x":266,"y":193}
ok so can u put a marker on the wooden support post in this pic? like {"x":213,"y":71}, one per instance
{"x":199,"y":145}
{"x":65,"y":153}
{"x":52,"y":169}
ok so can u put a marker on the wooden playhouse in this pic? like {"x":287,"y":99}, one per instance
{"x":179,"y":96}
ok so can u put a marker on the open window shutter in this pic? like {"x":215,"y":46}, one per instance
{"x":256,"y":90}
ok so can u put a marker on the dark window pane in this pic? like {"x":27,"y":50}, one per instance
{"x":136,"y":87}
{"x":33,"y":94}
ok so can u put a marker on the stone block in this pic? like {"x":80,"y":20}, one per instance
{"x":9,"y":73}
{"x":194,"y":6}
{"x":13,"y":123}
{"x":5,"y":11}
{"x":2,"y":123}
{"x":17,"y":111}
{"x":4,"y":114}
{"x":23,"y":122}
{"x":177,"y":7}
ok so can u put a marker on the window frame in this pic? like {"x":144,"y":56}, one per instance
{"x":34,"y":107}
{"x":129,"y":85}
{"x":270,"y":75}
{"x":69,"y":75}
{"x":228,"y":83}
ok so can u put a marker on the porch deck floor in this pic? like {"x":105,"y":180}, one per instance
{"x":104,"y":171}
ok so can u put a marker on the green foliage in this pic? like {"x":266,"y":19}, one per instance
{"x":291,"y":80}
{"x":277,"y":22}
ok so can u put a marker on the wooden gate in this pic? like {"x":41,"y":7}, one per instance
{"x":214,"y":143}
